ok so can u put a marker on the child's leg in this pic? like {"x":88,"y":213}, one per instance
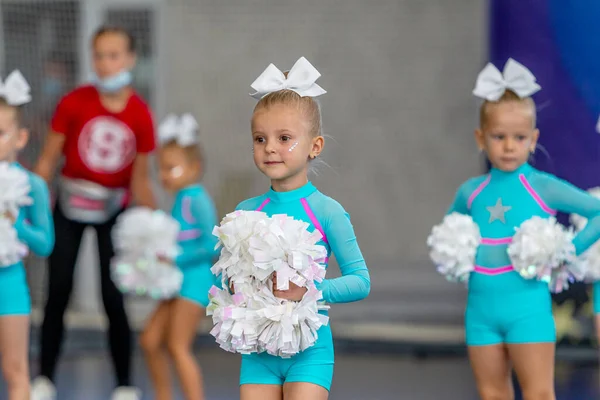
{"x":491,"y":368}
{"x":14,"y":343}
{"x":120,"y":338}
{"x":185,"y":316}
{"x":534,"y":366}
{"x":261,"y":392}
{"x":152,"y":341}
{"x":304,"y":390}
{"x":596,"y":306}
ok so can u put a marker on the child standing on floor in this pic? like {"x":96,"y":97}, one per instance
{"x":173,"y":324}
{"x":105,"y":133}
{"x":286,"y":132}
{"x":34,"y":228}
{"x":509,"y":321}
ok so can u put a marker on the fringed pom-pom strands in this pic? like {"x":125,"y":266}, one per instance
{"x":453,"y":246}
{"x":11,"y":249}
{"x":253,"y":320}
{"x":144,"y":242}
{"x":14,"y":189}
{"x":543,"y":249}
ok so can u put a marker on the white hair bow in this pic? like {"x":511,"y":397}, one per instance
{"x":301,"y":79}
{"x":15,"y":89}
{"x":491,"y":84}
{"x":183,"y":130}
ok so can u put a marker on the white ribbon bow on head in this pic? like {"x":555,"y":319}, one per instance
{"x":491,"y":84}
{"x":181,"y":129}
{"x":15,"y":89}
{"x":301,"y":79}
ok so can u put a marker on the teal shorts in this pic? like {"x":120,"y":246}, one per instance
{"x":313,"y":365}
{"x":14,"y":292}
{"x":197,"y":281}
{"x":510,"y":317}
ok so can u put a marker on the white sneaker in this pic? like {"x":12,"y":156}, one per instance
{"x":42,"y":389}
{"x":125,"y":393}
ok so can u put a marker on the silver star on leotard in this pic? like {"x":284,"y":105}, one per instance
{"x":497,"y":211}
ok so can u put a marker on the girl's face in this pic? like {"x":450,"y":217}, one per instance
{"x":12,"y":137}
{"x":112,"y":55}
{"x":177,"y":170}
{"x":283,"y":145}
{"x":508,"y":137}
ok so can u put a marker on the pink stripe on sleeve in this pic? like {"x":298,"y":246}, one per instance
{"x":186,"y":210}
{"x":263,"y":204}
{"x":313,"y":218}
{"x":476,"y":192}
{"x":535,"y":195}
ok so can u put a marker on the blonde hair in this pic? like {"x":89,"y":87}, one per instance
{"x":16,"y":109}
{"x":309,"y":107}
{"x":193,"y":152}
{"x":507,"y":97}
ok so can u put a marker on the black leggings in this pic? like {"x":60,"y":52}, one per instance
{"x":60,"y":284}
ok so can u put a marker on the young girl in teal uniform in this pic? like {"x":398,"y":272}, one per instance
{"x":173,"y":325}
{"x":286,"y":132}
{"x":508,"y":318}
{"x":34,"y":228}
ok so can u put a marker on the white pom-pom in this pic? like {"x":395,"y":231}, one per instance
{"x":255,"y":247}
{"x":235,"y":326}
{"x":543,"y":249}
{"x":144,"y":239}
{"x":453,"y":246}
{"x":235,"y":263}
{"x":288,"y":327}
{"x":11,"y":249}
{"x":591,"y":263}
{"x":284,"y":245}
{"x":14,"y":189}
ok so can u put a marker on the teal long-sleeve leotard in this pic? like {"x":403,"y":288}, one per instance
{"x":503,"y":307}
{"x":35,"y":228}
{"x":195,"y":211}
{"x":314,"y":365}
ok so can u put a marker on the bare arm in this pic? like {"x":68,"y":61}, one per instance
{"x":51,"y":153}
{"x":141,"y":184}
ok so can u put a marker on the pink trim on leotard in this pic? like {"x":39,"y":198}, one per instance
{"x":496,"y":242}
{"x":476,"y":192}
{"x":188,"y":234}
{"x":493,"y":271}
{"x":263,"y":204}
{"x":538,"y":199}
{"x":186,"y":210}
{"x":313,"y":219}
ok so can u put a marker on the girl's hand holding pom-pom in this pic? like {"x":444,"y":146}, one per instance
{"x":9,"y":216}
{"x":268,"y":267}
{"x":294,"y":293}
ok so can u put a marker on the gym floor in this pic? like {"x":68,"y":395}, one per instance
{"x":85,"y":374}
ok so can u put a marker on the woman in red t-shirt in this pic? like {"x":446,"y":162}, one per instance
{"x":105,"y":133}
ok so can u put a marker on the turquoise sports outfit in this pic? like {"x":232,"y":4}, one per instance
{"x":503,"y":307}
{"x":35,"y":228}
{"x":315,"y":364}
{"x":195,"y":212}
